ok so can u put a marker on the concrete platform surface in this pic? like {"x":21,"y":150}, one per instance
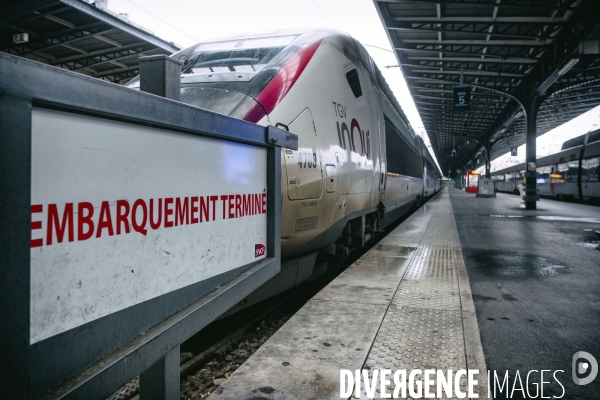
{"x":535,"y":278}
{"x":406,"y":304}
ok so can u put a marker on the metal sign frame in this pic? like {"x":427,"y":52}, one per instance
{"x":94,"y":360}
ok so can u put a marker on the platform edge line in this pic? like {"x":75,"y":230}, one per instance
{"x":475,"y":357}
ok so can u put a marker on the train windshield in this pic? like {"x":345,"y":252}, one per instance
{"x":236,"y":59}
{"x":228,"y":76}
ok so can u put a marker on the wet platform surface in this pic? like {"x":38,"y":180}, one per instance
{"x":464,"y":283}
{"x":406,"y":304}
{"x":535,"y":279}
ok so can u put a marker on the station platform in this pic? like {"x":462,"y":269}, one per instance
{"x":463,"y":283}
{"x":535,"y":280}
{"x":406,"y":304}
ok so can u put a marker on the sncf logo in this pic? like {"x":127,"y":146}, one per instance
{"x":259,"y":250}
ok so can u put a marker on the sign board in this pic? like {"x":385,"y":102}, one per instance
{"x":486,"y":188}
{"x":513,"y":151}
{"x":129,"y":222}
{"x":462,"y":98}
{"x":123,"y":213}
{"x":472,"y":181}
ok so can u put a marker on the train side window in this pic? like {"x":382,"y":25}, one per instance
{"x":401,"y":157}
{"x":562,"y":168}
{"x":591,"y":170}
{"x":544,"y":173}
{"x":572,"y":171}
{"x":354,"y":82}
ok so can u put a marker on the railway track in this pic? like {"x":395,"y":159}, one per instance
{"x":214,"y":353}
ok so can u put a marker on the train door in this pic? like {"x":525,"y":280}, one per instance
{"x":377,"y":186}
{"x":304,"y":177}
{"x":381,"y":160}
{"x":426,"y":179}
{"x":355,"y":130}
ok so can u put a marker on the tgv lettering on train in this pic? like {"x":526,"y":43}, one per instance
{"x":349,"y":133}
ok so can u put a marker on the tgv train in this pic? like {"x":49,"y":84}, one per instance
{"x":359,"y":165}
{"x":573,"y":173}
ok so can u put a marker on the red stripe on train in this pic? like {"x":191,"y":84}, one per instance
{"x":281,"y":84}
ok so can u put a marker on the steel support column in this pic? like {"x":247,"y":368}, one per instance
{"x":488,"y":157}
{"x":532,"y":105}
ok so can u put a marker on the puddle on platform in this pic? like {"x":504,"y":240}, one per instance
{"x":514,"y":265}
{"x":485,"y":299}
{"x":404,"y":251}
{"x":590,"y":244}
{"x":398,"y":251}
{"x":550,"y":218}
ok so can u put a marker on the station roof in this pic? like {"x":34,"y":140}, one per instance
{"x":504,"y":50}
{"x":79,"y":36}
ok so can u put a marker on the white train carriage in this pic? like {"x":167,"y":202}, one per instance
{"x":432,"y":180}
{"x":359,"y":165}
{"x":509,"y":178}
{"x":572,"y":173}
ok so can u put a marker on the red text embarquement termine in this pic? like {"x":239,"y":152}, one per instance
{"x":54,"y":223}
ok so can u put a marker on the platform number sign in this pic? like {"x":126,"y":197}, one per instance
{"x":462,"y":98}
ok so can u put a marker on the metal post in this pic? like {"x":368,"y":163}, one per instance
{"x":488,"y":158}
{"x":15,"y":252}
{"x":161,"y":381}
{"x":161,"y":75}
{"x":531,"y":106}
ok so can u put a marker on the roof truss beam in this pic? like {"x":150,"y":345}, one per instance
{"x":522,"y":4}
{"x":103,"y":52}
{"x":534,"y":20}
{"x":471,"y":42}
{"x":424,"y":69}
{"x":60,"y":21}
{"x":479,"y":60}
{"x":473,"y":29}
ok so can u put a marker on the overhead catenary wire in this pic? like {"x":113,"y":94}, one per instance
{"x":380,"y":48}
{"x":325,"y":15}
{"x":161,"y":20}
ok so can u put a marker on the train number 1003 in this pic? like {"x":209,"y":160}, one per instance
{"x":307,"y":160}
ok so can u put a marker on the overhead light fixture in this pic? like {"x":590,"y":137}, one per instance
{"x":21,"y":37}
{"x":567,"y":67}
